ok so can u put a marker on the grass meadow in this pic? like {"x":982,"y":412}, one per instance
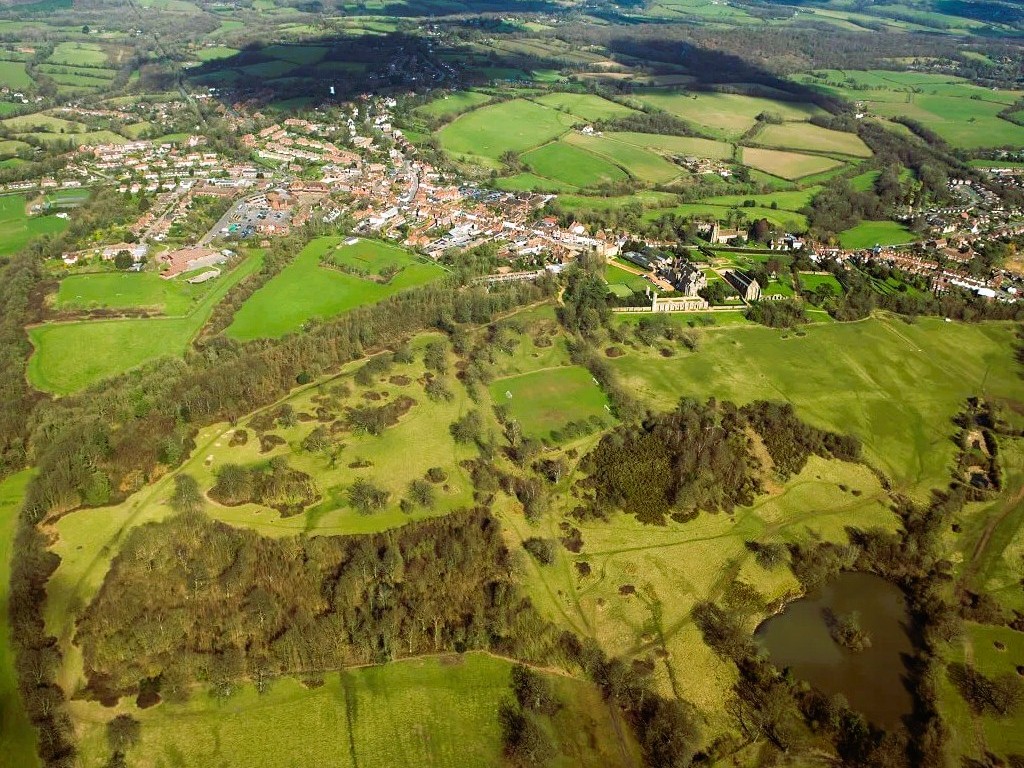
{"x":129,"y":289}
{"x":305,"y":289}
{"x":811,"y":137}
{"x":546,"y":400}
{"x":863,"y":378}
{"x":71,"y":356}
{"x":453,"y":104}
{"x":787,"y":165}
{"x":436,"y":711}
{"x":641,"y":164}
{"x":511,"y":126}
{"x":584,"y":105}
{"x":728,"y":115}
{"x":17,"y":228}
{"x":868,"y":234}
{"x":574,"y":166}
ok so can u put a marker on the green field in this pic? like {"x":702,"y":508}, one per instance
{"x":728,"y":115}
{"x":511,"y":126}
{"x":568,"y":164}
{"x":214,"y":52}
{"x":546,"y":400}
{"x":786,"y":165}
{"x":14,"y":76}
{"x":130,"y":289}
{"x":80,"y":54}
{"x":964,"y":114}
{"x":677,"y":145}
{"x":17,"y":228}
{"x":790,"y":220}
{"x":868,"y":234}
{"x":71,"y":356}
{"x":863,"y":378}
{"x":304,"y":289}
{"x":809,"y":281}
{"x":453,"y":104}
{"x":17,"y":736}
{"x":811,"y":137}
{"x":584,"y":105}
{"x":438,"y":711}
{"x":641,"y":164}
{"x":530,"y":182}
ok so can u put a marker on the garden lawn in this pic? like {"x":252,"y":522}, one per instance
{"x":17,"y":736}
{"x":304,"y":289}
{"x":571,"y":165}
{"x":71,"y":356}
{"x":868,"y":234}
{"x":862,"y":378}
{"x":546,"y":400}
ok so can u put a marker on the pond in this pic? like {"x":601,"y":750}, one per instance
{"x":871,"y":679}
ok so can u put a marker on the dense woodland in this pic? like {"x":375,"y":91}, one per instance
{"x":233,"y":604}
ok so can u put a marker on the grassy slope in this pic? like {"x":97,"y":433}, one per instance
{"x":130,"y":289}
{"x":865,"y":378}
{"x":304,"y":290}
{"x":17,"y":736}
{"x":433,"y":711}
{"x":868,"y":234}
{"x":71,"y":356}
{"x":16,"y":228}
{"x":547,"y":400}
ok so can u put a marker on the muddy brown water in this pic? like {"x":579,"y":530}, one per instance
{"x":872,"y":680}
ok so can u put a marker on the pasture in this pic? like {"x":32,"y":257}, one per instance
{"x":808,"y":136}
{"x":18,"y":736}
{"x":862,"y":378}
{"x":14,"y":76}
{"x":511,"y":126}
{"x":727,"y":115}
{"x":642,"y":165}
{"x":868,"y":234}
{"x":304,"y":289}
{"x":78,"y":54}
{"x":120,"y":290}
{"x":544,"y":401}
{"x":71,"y":356}
{"x":584,"y":105}
{"x":17,"y":228}
{"x":567,"y":163}
{"x":531,"y":182}
{"x":452,"y":104}
{"x":787,"y":165}
{"x":676,"y":145}
{"x":372,"y":717}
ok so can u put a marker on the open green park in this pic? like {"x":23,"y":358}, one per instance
{"x":862,"y":378}
{"x":70,"y":356}
{"x":544,"y":401}
{"x":437,"y":711}
{"x":305,"y":289}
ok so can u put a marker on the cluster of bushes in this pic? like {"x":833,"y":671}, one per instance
{"x":273,"y":484}
{"x":787,"y":313}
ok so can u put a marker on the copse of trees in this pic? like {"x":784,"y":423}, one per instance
{"x":439,"y":585}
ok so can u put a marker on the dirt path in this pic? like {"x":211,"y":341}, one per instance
{"x":986,"y":536}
